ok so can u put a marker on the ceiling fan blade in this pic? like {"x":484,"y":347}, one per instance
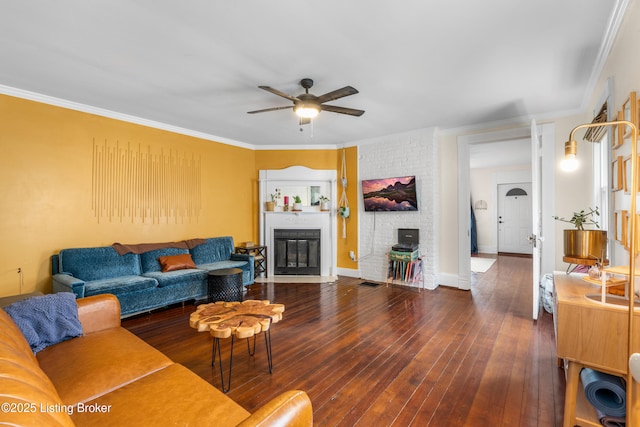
{"x":336,"y":94}
{"x":277,"y":92}
{"x":269,"y":109}
{"x":342,"y":110}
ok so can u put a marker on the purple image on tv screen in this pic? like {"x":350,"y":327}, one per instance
{"x":390,"y":194}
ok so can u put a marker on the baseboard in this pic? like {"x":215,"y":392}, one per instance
{"x":349,"y":272}
{"x":446,"y":279}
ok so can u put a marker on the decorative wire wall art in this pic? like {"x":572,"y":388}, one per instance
{"x":130,"y":182}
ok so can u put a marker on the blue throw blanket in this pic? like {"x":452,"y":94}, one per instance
{"x":46,"y":320}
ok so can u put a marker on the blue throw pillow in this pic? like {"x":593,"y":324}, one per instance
{"x":46,"y":320}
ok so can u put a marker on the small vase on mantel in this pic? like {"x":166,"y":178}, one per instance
{"x":324,"y":204}
{"x":269,"y":206}
{"x":297,"y":203}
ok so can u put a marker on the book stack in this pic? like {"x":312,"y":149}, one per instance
{"x":403,"y":256}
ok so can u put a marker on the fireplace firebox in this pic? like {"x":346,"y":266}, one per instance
{"x":297,"y":251}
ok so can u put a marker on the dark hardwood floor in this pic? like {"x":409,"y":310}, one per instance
{"x":378,"y":356}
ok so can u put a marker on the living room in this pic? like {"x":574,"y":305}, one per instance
{"x":48,"y":166}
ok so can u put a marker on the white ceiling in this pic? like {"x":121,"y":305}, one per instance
{"x":196,"y":64}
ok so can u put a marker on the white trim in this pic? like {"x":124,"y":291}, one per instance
{"x":446,"y":279}
{"x":296,"y":147}
{"x":349,"y":272}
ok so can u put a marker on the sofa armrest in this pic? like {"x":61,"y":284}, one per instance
{"x":291,"y":408}
{"x":98,"y":313}
{"x":249,"y":267}
{"x":63,"y":282}
{"x":241,"y":257}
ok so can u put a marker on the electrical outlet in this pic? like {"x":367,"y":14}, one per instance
{"x":352,"y":255}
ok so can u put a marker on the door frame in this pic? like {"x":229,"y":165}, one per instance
{"x":547,"y":131}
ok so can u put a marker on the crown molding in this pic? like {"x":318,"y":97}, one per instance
{"x":71,"y":105}
{"x":613,"y":26}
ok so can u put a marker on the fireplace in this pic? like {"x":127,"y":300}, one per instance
{"x":313,"y":254}
{"x":297,"y":251}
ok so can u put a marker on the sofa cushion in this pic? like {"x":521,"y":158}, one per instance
{"x":177,"y":277}
{"x":190,"y":401}
{"x":222,"y":264}
{"x":46,"y":320}
{"x":22,"y":382}
{"x":176,"y":262}
{"x":149,"y":260}
{"x":89,"y":366}
{"x":98,"y":263}
{"x":214,"y":249}
{"x":119,"y":285}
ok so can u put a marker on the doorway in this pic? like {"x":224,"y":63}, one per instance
{"x":547,"y":165}
{"x":514,"y":218}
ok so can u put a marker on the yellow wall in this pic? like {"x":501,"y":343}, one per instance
{"x":46,"y":192}
{"x":46,"y":171}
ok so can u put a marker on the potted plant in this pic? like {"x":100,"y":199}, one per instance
{"x":581,"y":243}
{"x":297,"y":203}
{"x":324,"y":203}
{"x":270,"y":206}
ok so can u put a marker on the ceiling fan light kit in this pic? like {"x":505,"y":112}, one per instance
{"x":306,"y":110}
{"x":307,"y":106}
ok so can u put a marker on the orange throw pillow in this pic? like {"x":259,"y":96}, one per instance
{"x":176,"y":262}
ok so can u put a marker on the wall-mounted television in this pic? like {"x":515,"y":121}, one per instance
{"x":390,"y":194}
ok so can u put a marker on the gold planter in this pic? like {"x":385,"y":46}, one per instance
{"x":585,"y":244}
{"x":269,"y":206}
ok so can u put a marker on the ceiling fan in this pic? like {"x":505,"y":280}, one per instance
{"x":307,"y":106}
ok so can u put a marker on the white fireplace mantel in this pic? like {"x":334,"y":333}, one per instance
{"x":310,"y":217}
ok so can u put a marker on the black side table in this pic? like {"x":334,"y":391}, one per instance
{"x":225,"y":285}
{"x":259,"y":253}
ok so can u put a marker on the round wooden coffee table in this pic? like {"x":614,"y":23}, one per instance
{"x":236,"y":320}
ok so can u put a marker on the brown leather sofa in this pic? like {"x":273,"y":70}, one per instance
{"x":110,"y":377}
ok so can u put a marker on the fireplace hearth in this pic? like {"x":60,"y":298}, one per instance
{"x":297,"y":251}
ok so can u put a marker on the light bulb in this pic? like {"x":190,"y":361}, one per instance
{"x":569,"y":163}
{"x":307,"y":112}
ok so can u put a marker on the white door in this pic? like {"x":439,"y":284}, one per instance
{"x":536,"y":238}
{"x":514,"y":218}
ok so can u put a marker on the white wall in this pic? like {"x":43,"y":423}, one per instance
{"x":483,"y":186}
{"x":411,"y":153}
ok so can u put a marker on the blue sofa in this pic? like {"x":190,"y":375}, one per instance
{"x":137,"y":280}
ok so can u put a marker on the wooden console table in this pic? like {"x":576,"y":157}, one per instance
{"x":588,"y":334}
